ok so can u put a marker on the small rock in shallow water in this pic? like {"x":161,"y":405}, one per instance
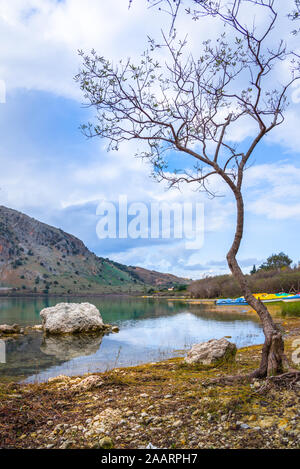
{"x":14,"y":329}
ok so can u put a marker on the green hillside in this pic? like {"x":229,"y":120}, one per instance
{"x":38,"y":258}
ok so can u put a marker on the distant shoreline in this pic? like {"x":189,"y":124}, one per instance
{"x":69,"y":295}
{"x":91,"y":295}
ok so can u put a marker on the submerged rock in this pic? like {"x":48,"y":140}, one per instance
{"x":70,"y":318}
{"x":37,"y":327}
{"x":14,"y":329}
{"x":211,"y":352}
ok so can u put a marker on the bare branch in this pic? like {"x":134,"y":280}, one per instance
{"x":189,"y":106}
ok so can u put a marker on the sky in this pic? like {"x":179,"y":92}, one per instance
{"x":51,"y":171}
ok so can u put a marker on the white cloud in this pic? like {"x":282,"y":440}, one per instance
{"x":287,"y":134}
{"x":42,"y":38}
{"x":38,"y":51}
{"x":274,"y":190}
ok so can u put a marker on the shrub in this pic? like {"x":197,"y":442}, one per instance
{"x":270,"y":281}
{"x":291,"y":309}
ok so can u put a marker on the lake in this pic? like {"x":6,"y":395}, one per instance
{"x":150,"y":330}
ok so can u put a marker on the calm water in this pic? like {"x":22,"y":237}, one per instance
{"x":150,"y":330}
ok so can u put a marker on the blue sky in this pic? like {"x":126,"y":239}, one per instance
{"x":49,"y":170}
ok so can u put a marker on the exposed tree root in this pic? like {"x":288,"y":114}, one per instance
{"x":272,"y":363}
{"x":288,"y":380}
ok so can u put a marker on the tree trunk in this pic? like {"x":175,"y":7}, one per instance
{"x":273,"y":349}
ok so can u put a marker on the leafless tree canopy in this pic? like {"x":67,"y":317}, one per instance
{"x":189,"y":105}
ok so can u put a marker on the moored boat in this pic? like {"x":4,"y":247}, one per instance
{"x":264,"y":297}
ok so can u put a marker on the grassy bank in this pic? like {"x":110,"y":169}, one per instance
{"x":169,"y":404}
{"x":290,"y":309}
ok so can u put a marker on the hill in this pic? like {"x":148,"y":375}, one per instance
{"x":36,"y":257}
{"x":157,"y":279}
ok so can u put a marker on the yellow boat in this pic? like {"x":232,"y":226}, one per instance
{"x":264,"y":297}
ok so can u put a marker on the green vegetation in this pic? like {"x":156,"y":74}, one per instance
{"x":276,"y":261}
{"x":263,"y":281}
{"x":290,"y":308}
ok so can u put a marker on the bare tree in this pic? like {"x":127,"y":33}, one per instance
{"x":294,"y":15}
{"x":189,"y":105}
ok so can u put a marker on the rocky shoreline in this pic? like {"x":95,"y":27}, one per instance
{"x":170,"y":404}
{"x":15,"y":330}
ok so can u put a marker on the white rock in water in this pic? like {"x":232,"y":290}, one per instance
{"x":213,"y":351}
{"x":68,"y":318}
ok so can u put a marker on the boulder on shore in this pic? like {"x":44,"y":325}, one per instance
{"x":72,"y":318}
{"x":212,"y":352}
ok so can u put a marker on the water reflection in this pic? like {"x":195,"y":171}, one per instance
{"x":71,"y":346}
{"x":24,"y":357}
{"x":150,"y":330}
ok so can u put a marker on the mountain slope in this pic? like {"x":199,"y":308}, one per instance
{"x":43,"y":259}
{"x":157,"y":279}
